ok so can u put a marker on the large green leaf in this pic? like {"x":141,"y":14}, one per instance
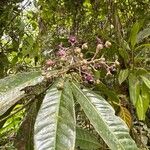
{"x":102,"y":116}
{"x":143,"y":102}
{"x":10,"y":88}
{"x":55,"y":123}
{"x":140,"y":108}
{"x":86,"y":140}
{"x":134,"y":88}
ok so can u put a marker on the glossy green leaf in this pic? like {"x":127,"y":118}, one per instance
{"x":55,"y":123}
{"x":134,"y":88}
{"x":143,"y":34}
{"x":86,"y":140}
{"x":10,"y":88}
{"x":140,"y":108}
{"x":123,"y":75}
{"x":133,"y":34}
{"x":102,"y":116}
{"x":145,"y":94}
{"x":143,"y":102}
{"x":146,"y":81}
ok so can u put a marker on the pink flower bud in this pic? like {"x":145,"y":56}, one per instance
{"x":49,"y":63}
{"x":61,"y":53}
{"x":72,"y":40}
{"x":89,"y":78}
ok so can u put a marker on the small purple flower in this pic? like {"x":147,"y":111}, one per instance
{"x":97,"y":66}
{"x":61,"y":53}
{"x":89,"y":78}
{"x":50,"y":63}
{"x":72,"y":40}
{"x":112,"y":69}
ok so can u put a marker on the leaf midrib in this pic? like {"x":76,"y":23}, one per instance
{"x":98,"y":114}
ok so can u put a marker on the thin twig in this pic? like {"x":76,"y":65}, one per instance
{"x":70,"y":67}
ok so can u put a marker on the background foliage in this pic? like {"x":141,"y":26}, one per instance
{"x":32,"y":31}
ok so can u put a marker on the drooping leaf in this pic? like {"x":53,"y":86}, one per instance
{"x":143,"y":102}
{"x":126,"y":116}
{"x":140,"y":108}
{"x":10,"y":88}
{"x":55,"y":123}
{"x":86,"y":140}
{"x":145,"y":93}
{"x":102,"y":116}
{"x":143,"y":34}
{"x":134,"y":88}
{"x":146,"y":81}
{"x":123,"y":75}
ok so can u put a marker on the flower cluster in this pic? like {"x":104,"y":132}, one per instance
{"x":72,"y":58}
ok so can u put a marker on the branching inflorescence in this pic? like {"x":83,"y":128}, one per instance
{"x":71,"y":59}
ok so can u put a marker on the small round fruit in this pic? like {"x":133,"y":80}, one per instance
{"x":84,"y":61}
{"x":117,"y":63}
{"x":81,"y":55}
{"x":102,"y":59}
{"x":85,"y":46}
{"x":77,"y":50}
{"x":99,"y":47}
{"x":107,"y":44}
